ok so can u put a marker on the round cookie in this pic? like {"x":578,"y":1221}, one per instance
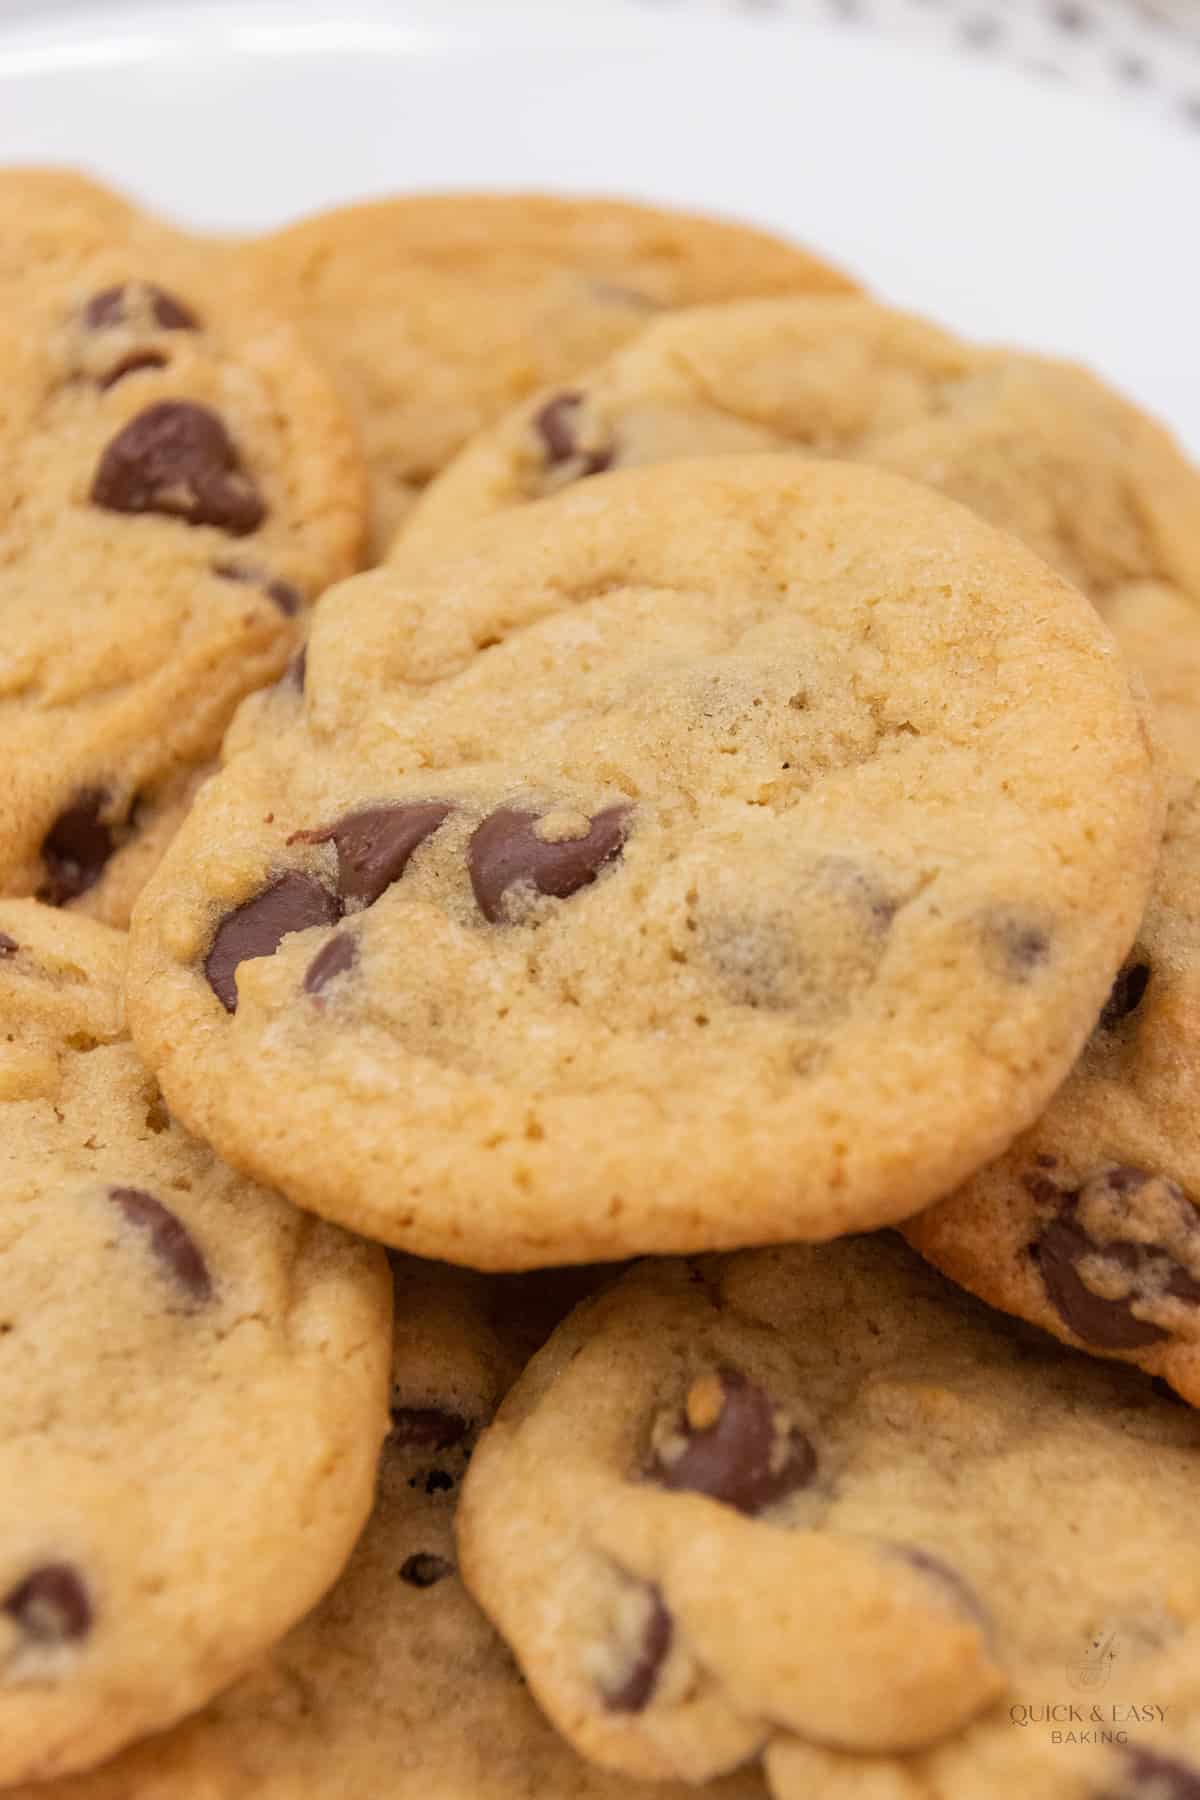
{"x":816,"y":1504}
{"x":180,"y":482}
{"x":733,"y":851}
{"x":56,"y":219}
{"x":193,"y":1388}
{"x":396,"y":1685}
{"x":438,"y":312}
{"x":1090,"y":1225}
{"x":1036,"y":446}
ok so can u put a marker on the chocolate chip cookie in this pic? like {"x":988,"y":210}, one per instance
{"x":817,"y":1505}
{"x":396,"y":1685}
{"x":1090,"y":1225}
{"x":1036,"y":446}
{"x":440,"y":311}
{"x":180,"y":483}
{"x":727,"y":852}
{"x":193,"y":1383}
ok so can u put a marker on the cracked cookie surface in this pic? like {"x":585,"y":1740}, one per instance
{"x":396,"y":1684}
{"x":438,"y":312}
{"x":1034,"y":445}
{"x":737,"y":849}
{"x":1090,"y":1225}
{"x":180,"y":483}
{"x":192,"y":1386}
{"x":818,"y":1506}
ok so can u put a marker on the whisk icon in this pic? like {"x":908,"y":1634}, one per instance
{"x":1095,"y":1665}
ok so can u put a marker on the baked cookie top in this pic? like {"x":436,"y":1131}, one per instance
{"x":180,"y":483}
{"x":396,"y":1685}
{"x":193,"y":1386}
{"x":816,"y":1504}
{"x":1089,"y":1226}
{"x":440,"y":311}
{"x":1037,"y":446}
{"x":733,"y":851}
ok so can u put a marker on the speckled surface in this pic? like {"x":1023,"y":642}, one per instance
{"x":1144,"y":53}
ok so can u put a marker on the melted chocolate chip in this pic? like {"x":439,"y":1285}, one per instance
{"x":425,"y":1569}
{"x":76,"y":849}
{"x":742,"y":1458}
{"x":118,"y":305}
{"x":131,"y":364}
{"x":259,"y":926}
{"x":8,"y":946}
{"x":952,"y":1583}
{"x":337,"y":956}
{"x":287,"y":598}
{"x":169,"y":1239}
{"x":764,"y":961}
{"x":52,"y":1605}
{"x":557,"y":424}
{"x":1016,"y":945}
{"x":634,"y":1692}
{"x":374,"y":846}
{"x":1128,"y":992}
{"x":1147,"y":1775}
{"x":505,"y":852}
{"x":177,"y":458}
{"x":426,"y":1428}
{"x":1108,"y":1324}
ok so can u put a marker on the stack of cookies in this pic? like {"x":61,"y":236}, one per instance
{"x":472,"y":1028}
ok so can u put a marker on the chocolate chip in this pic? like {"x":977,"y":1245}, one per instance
{"x":1128,"y":992}
{"x":425,"y":1569}
{"x":765,"y":959}
{"x":633,"y":1694}
{"x":169,"y":1239}
{"x":731,"y":1444}
{"x":1149,"y":1776}
{"x":1016,"y":946}
{"x":119,"y":305}
{"x":374,"y":846}
{"x":953,"y":1584}
{"x":557,"y":424}
{"x":1149,"y":1271}
{"x":8,"y":946}
{"x":335,"y":958}
{"x":426,"y":1428}
{"x":505,"y":852}
{"x":131,"y":364}
{"x":76,"y":849}
{"x":177,"y":458}
{"x":258,"y":927}
{"x":52,"y":1605}
{"x":1108,"y":1324}
{"x":287,"y":598}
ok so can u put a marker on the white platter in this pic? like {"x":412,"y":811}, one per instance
{"x":1001,"y":205}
